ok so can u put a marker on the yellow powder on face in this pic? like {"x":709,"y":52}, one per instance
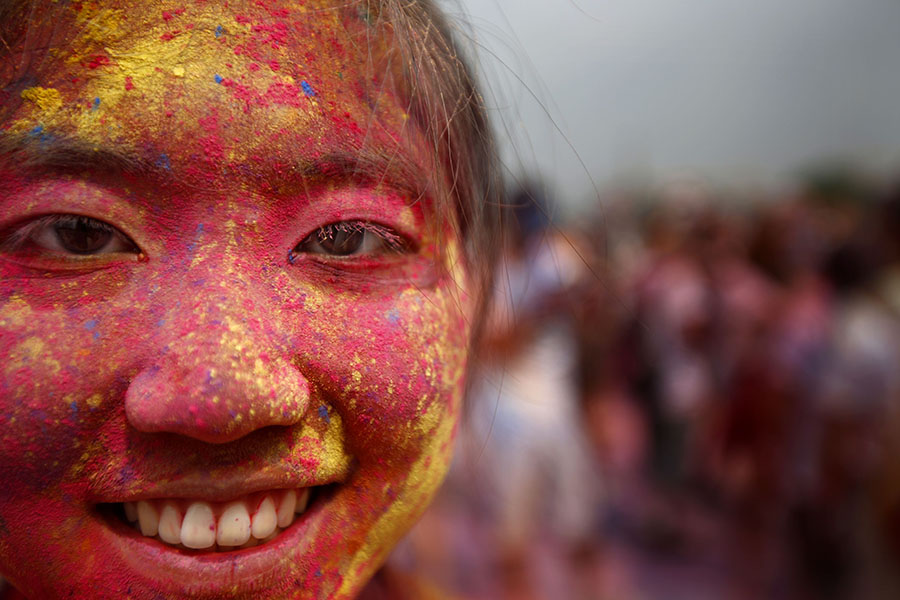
{"x":16,"y":313}
{"x":95,"y":401}
{"x":97,"y":25}
{"x":46,"y":99}
{"x":419,"y":488}
{"x":32,"y":351}
{"x":334,"y":457}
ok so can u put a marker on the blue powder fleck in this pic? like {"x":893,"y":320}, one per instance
{"x":393,"y":316}
{"x":323,"y":414}
{"x":38,"y":132}
{"x":96,"y":335}
{"x":219,"y":78}
{"x":89,"y":325}
{"x":126,"y":473}
{"x":307,"y":89}
{"x":219,"y":31}
{"x":163,"y":161}
{"x":74,"y":407}
{"x":199,"y":229}
{"x":96,"y":103}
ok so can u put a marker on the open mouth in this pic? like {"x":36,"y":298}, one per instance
{"x":202,"y":525}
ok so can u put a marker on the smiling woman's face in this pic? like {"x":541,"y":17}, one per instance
{"x":223,"y":294}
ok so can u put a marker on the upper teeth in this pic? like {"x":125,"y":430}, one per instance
{"x":200,"y":524}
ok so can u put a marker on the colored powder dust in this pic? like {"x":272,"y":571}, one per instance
{"x":98,"y":60}
{"x":307,"y":89}
{"x":44,"y":98}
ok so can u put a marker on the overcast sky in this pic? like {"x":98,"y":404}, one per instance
{"x":735,"y":90}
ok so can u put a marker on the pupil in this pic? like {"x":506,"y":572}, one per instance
{"x":83,"y":238}
{"x":341,"y":241}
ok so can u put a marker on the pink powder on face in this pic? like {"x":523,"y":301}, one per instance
{"x":214,"y":352}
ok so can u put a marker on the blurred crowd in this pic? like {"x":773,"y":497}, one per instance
{"x":687,"y":394}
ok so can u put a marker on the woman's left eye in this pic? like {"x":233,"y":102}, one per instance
{"x":72,"y":235}
{"x":352,"y":238}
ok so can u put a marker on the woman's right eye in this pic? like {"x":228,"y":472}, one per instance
{"x":70,"y":235}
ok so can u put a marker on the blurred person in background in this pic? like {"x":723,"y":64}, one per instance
{"x":526,"y":427}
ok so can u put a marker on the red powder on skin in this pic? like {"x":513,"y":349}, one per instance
{"x":279,"y":13}
{"x":129,"y":84}
{"x":274,"y":65}
{"x":247,"y":95}
{"x":285,"y":94}
{"x":377,"y":400}
{"x":276,"y":34}
{"x":97,"y":60}
{"x":169,"y":35}
{"x":210,"y":123}
{"x":167,"y":16}
{"x":345,"y":122}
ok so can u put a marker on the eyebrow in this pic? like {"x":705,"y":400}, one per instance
{"x":39,"y":151}
{"x":395,"y":170}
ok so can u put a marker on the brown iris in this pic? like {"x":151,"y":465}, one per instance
{"x":83,"y":235}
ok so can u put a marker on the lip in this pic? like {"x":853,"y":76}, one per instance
{"x":222,"y":488}
{"x":174,"y":571}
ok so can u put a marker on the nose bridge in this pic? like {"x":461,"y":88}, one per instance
{"x":220,"y":367}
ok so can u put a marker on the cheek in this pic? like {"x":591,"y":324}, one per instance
{"x":55,"y":390}
{"x":394,"y":368}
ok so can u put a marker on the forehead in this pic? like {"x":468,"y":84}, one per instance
{"x":239,"y":85}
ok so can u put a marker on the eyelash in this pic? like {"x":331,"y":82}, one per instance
{"x":390,"y":241}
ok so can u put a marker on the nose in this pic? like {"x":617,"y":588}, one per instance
{"x":220,"y":371}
